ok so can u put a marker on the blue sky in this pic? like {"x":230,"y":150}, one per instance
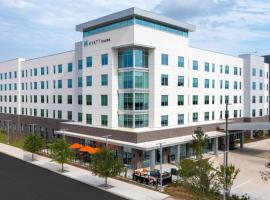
{"x":32,"y":28}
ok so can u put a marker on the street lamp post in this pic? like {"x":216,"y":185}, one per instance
{"x":8,"y":129}
{"x":107,"y":137}
{"x":161,"y":156}
{"x":226,"y":151}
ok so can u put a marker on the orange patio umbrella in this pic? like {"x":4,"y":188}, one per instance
{"x":88,"y":149}
{"x":75,"y":146}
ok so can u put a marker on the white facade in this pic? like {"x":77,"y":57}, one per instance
{"x":228,"y":77}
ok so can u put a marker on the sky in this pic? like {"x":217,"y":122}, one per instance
{"x":33,"y":28}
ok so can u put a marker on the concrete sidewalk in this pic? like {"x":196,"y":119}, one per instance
{"x":120,"y":188}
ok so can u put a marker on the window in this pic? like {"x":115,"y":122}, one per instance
{"x":69,"y":99}
{"x":69,"y":115}
{"x":89,"y":61}
{"x":164,"y":120}
{"x":104,"y":59}
{"x":60,"y":69}
{"x":227,"y":99}
{"x":164,"y":59}
{"x":253,"y":99}
{"x":42,"y":71}
{"x":141,"y":101}
{"x":59,"y":114}
{"x":164,"y":100}
{"x":125,"y":101}
{"x":180,"y":80}
{"x":69,"y":83}
{"x":195,"y":99}
{"x":221,"y":99}
{"x":261,"y":86}
{"x":206,"y":67}
{"x":180,"y":101}
{"x":206,"y":116}
{"x":206,"y":83}
{"x":221,"y":84}
{"x":164,"y":80}
{"x":235,"y":85}
{"x":253,"y":71}
{"x":226,"y":84}
{"x":80,"y":100}
{"x":104,"y":79}
{"x":89,"y":100}
{"x":206,"y":99}
{"x":254,"y":85}
{"x":42,"y":85}
{"x":213,"y":99}
{"x":79,"y":117}
{"x":234,"y":99}
{"x":104,"y":100}
{"x":181,"y":61}
{"x":221,"y":69}
{"x":195,"y":82}
{"x":213,"y":67}
{"x":261,"y":99}
{"x":125,"y":58}
{"x":69,"y":67}
{"x":261,"y":73}
{"x":195,"y":117}
{"x":125,"y":80}
{"x":141,"y":79}
{"x":195,"y":65}
{"x":88,"y":118}
{"x":79,"y":81}
{"x":59,"y":84}
{"x":253,"y":113}
{"x":261,"y":112}
{"x":80,"y":64}
{"x":213,"y":83}
{"x":235,"y":70}
{"x":180,"y":119}
{"x":59,"y":98}
{"x":104,"y":120}
{"x":227,"y":69}
{"x":88,"y":81}
{"x":35,"y":72}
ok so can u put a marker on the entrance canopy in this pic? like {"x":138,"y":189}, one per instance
{"x":145,"y":146}
{"x":247,"y":126}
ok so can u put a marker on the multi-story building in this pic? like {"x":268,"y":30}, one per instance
{"x":134,"y":77}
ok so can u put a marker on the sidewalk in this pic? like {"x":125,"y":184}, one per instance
{"x":120,"y":188}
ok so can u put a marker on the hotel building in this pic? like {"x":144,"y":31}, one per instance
{"x":134,"y":77}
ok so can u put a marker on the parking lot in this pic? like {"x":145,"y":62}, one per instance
{"x":251,"y":160}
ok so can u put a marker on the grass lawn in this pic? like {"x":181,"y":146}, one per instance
{"x":16,"y":142}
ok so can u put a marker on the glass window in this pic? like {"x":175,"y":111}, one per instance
{"x":88,"y":118}
{"x":195,"y":99}
{"x":220,"y":69}
{"x":60,"y":68}
{"x":206,"y":99}
{"x":89,"y":100}
{"x":181,"y":61}
{"x":59,"y":97}
{"x":227,"y":99}
{"x":104,"y":100}
{"x":104,"y":120}
{"x":213,"y":99}
{"x":89,"y":61}
{"x":141,"y":58}
{"x":261,"y":86}
{"x":79,"y":81}
{"x":195,"y":117}
{"x":69,"y":83}
{"x":69,"y":67}
{"x":235,"y":70}
{"x":164,"y":120}
{"x":180,"y":119}
{"x":42,"y":71}
{"x":69,"y":115}
{"x":125,"y":80}
{"x":80,"y":64}
{"x":227,"y":69}
{"x":141,"y":120}
{"x":213,"y":67}
{"x":125,"y":58}
{"x":206,"y":116}
{"x":195,"y":65}
{"x":141,"y":79}
{"x":104,"y":79}
{"x":35,"y":72}
{"x":254,"y":85}
{"x":104,"y":59}
{"x":253,"y":71}
{"x":261,"y":73}
{"x":59,"y":84}
{"x":235,"y":85}
{"x":213,"y":83}
{"x":80,"y":117}
{"x":141,"y":101}
{"x":206,"y":67}
{"x":164,"y":100}
{"x":164,"y":59}
{"x":180,"y":80}
{"x":69,"y":99}
{"x":125,"y":101}
{"x":234,"y":99}
{"x":206,"y":83}
{"x":253,"y":99}
{"x":226,"y":84}
{"x":125,"y":121}
{"x":164,"y":80}
{"x":180,"y":100}
{"x":80,"y":99}
{"x":195,"y":82}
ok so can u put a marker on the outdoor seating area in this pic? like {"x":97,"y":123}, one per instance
{"x":151,"y":178}
{"x":83,"y":153}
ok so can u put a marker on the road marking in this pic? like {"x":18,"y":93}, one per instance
{"x":240,"y":185}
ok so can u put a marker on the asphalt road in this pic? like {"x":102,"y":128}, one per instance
{"x":20,"y":180}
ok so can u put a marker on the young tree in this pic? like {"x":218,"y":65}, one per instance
{"x":231,"y":174}
{"x":105,"y":165}
{"x":33,"y":143}
{"x":199,"y":142}
{"x":60,"y":152}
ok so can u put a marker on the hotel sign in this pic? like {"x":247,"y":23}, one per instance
{"x":87,"y":43}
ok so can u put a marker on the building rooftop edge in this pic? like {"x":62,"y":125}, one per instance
{"x":134,"y":12}
{"x":49,"y":55}
{"x":12,"y":60}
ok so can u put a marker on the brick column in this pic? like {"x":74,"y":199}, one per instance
{"x":136,"y":159}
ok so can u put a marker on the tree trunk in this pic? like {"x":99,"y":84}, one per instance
{"x":106,"y":181}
